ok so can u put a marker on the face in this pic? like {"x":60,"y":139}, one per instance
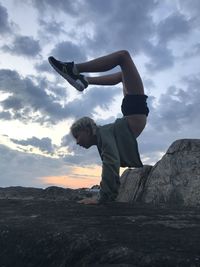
{"x":83,"y":138}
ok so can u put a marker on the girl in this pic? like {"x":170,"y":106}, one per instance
{"x":116,"y":142}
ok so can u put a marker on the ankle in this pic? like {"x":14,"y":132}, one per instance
{"x":87,"y":79}
{"x":75,"y":69}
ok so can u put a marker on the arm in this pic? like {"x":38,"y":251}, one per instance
{"x":110,"y":178}
{"x":109,"y":184}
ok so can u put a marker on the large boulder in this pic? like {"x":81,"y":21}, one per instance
{"x":174,"y":180}
{"x":132,"y":184}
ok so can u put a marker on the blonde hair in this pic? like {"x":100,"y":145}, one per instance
{"x":82,"y":124}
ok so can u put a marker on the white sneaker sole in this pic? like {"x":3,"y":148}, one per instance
{"x":77,"y":84}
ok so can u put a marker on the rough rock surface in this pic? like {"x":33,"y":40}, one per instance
{"x":52,"y":192}
{"x":60,"y":233}
{"x":174,"y":180}
{"x":132,"y":184}
{"x":176,"y":177}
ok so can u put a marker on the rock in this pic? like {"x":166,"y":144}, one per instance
{"x":59,"y":193}
{"x":175,"y":179}
{"x":61,"y":233}
{"x":19,"y":192}
{"x":52,"y":192}
{"x":96,"y":187}
{"x":132,"y":184}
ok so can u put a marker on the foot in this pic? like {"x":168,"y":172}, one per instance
{"x":68,"y":71}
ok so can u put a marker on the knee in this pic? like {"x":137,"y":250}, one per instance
{"x":123,"y":55}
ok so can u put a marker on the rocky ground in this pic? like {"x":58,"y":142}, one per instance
{"x":62,"y":233}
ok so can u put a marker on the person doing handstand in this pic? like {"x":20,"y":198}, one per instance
{"x":116,"y":142}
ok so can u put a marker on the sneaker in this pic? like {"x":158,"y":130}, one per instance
{"x":68,"y":71}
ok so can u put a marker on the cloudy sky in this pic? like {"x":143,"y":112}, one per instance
{"x":37,"y":106}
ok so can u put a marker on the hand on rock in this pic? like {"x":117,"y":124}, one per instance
{"x":88,"y":201}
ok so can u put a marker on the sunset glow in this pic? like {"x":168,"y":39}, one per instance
{"x":80,"y":177}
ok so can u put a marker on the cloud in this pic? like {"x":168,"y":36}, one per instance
{"x":5,"y":115}
{"x":82,"y":157}
{"x":177,"y":109}
{"x":70,"y":7}
{"x":23,"y":45}
{"x":28,"y":101}
{"x":133,"y":29}
{"x":43,"y":66}
{"x":69,"y":141}
{"x":129,"y":28}
{"x":191,"y":9}
{"x":27,"y":98}
{"x":161,"y":57}
{"x":52,"y":27}
{"x":97,"y":21}
{"x":67,"y":51}
{"x":5,"y":25}
{"x":44,"y":144}
{"x":193,"y":52}
{"x":174,"y":26}
{"x":27,"y":169}
{"x":96,"y":97}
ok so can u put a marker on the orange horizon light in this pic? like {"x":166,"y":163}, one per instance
{"x":79,"y":178}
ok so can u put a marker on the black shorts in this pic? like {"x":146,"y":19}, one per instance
{"x":134,"y":104}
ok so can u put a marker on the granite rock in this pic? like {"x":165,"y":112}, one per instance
{"x":132,"y":184}
{"x":174,"y":180}
{"x":62,"y":233}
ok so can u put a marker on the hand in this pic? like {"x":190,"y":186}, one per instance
{"x":88,"y":200}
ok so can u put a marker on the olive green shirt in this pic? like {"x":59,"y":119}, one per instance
{"x":117,"y":147}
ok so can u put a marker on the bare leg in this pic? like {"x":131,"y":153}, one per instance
{"x":111,"y":79}
{"x":131,"y":78}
